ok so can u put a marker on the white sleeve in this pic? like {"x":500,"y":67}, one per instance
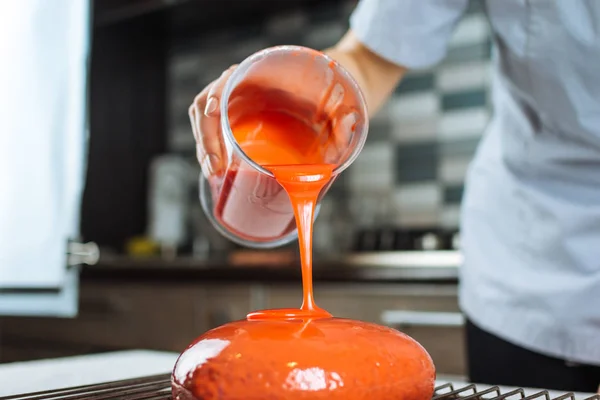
{"x":411,"y":33}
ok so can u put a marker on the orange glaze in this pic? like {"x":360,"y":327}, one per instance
{"x":300,"y":353}
{"x":323,"y":358}
{"x":292,"y":151}
{"x":303,"y":183}
{"x":252,"y":204}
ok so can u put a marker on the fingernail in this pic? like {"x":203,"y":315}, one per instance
{"x":211,"y":106}
{"x":210,"y":163}
{"x":193,"y":124}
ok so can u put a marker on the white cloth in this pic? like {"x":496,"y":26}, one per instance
{"x":43,"y":78}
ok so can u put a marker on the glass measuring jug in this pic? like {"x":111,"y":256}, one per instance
{"x":308,"y":109}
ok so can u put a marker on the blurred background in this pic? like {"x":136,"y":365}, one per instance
{"x":387,"y":238}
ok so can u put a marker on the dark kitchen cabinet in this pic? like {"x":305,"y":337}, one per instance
{"x":127,"y":127}
{"x":112,"y":317}
{"x":168,"y":316}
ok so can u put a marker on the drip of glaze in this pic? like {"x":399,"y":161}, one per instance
{"x":303,"y":184}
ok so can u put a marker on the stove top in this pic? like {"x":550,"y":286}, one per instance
{"x":157,"y":387}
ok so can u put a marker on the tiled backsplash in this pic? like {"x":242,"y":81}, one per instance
{"x":412,"y":168}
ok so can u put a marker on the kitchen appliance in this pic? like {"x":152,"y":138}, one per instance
{"x":393,"y":238}
{"x":244,"y":202}
{"x":168,"y":203}
{"x":158,"y":387}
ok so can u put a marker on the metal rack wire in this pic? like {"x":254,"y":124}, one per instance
{"x":158,"y":387}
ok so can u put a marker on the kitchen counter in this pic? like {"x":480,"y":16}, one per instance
{"x":58,"y":373}
{"x":127,"y":302}
{"x":409,"y":266}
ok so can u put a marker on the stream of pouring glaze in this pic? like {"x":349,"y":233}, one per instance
{"x":303,"y":183}
{"x":301,"y":353}
{"x":293,"y":152}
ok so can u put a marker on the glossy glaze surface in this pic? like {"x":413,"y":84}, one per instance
{"x":325,"y":358}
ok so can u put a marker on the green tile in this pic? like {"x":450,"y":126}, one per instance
{"x":453,"y":194}
{"x":411,"y":172}
{"x":416,"y":83}
{"x":466,"y":99}
{"x":416,"y":162}
{"x":463,"y":147}
{"x":379,"y":130}
{"x":426,"y":150}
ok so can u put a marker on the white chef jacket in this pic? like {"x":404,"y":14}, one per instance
{"x":530,"y":222}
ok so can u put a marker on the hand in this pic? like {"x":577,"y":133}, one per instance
{"x":204,"y":115}
{"x":336,"y":123}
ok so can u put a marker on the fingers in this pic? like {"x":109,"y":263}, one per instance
{"x":213,"y":96}
{"x":340,"y":136}
{"x":208,"y":137}
{"x":344,"y":132}
{"x":204,"y":119}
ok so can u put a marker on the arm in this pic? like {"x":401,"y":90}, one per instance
{"x":386,"y":38}
{"x":376,"y":76}
{"x":389,"y":37}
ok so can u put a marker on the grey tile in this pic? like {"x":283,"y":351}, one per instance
{"x":323,"y":35}
{"x":450,"y":216}
{"x":187,"y":86}
{"x":416,"y":83}
{"x":415,"y":162}
{"x":472,"y":52}
{"x":286,"y":27}
{"x":463,"y":147}
{"x":466,"y":99}
{"x":453,"y":194}
{"x":244,"y":48}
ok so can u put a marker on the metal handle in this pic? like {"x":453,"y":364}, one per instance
{"x":422,"y":318}
{"x":82,"y":253}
